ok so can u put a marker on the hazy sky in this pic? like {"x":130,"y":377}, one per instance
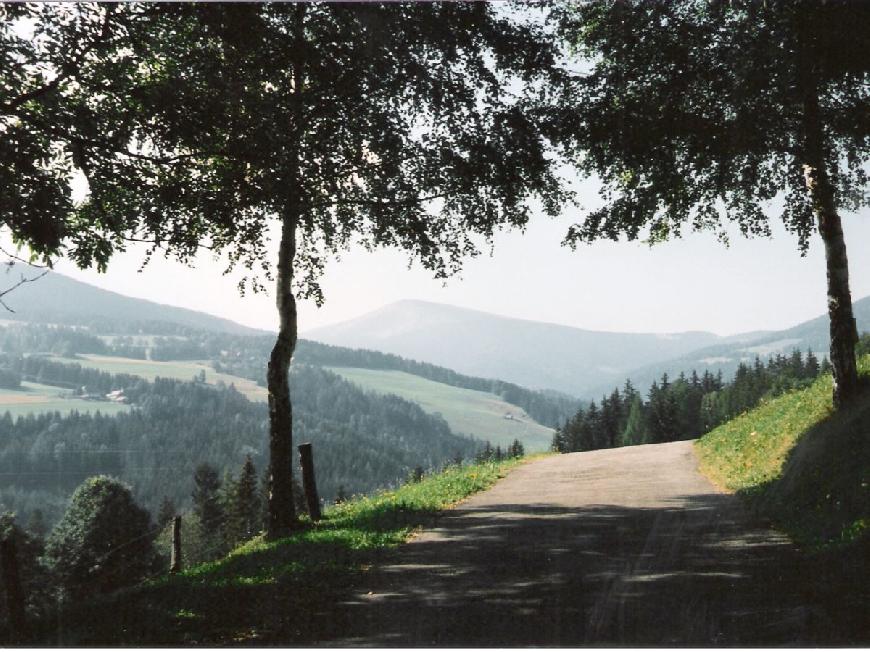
{"x":690,"y":284}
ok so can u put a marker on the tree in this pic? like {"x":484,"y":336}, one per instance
{"x":32,"y":575}
{"x":693,"y":112}
{"x":243,"y":508}
{"x":166,"y":512}
{"x":635,"y":428}
{"x":516,"y":449}
{"x":208,"y":510}
{"x":103,"y":542}
{"x":369,"y":124}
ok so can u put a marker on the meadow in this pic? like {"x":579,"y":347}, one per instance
{"x":177,"y":369}
{"x":800,"y":463}
{"x":468,"y":412}
{"x":35,"y":398}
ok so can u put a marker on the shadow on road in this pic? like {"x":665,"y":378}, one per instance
{"x":513,"y":575}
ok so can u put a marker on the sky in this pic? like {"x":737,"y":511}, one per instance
{"x":694,"y":283}
{"x":690,"y":284}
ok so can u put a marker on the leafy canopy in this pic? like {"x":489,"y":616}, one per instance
{"x":397,"y":124}
{"x":692,"y":113}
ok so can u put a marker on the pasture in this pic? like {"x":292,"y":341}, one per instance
{"x":34,"y":398}
{"x":178,"y":369}
{"x":469,"y":412}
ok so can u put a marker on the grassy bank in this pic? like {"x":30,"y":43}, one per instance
{"x":270,"y":591}
{"x":800,"y":463}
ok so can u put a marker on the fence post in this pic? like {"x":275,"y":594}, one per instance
{"x":14,"y":593}
{"x":308,"y":483}
{"x":175,"y":560}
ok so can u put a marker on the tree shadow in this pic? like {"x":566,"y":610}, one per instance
{"x":693,"y":572}
{"x":517,"y":575}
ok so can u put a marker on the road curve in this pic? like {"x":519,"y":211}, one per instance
{"x":628,"y":546}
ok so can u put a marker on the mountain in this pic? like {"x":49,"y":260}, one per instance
{"x":533,"y":354}
{"x":59,"y":299}
{"x":725,"y":356}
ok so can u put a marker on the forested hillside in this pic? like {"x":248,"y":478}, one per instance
{"x":246,"y":356}
{"x":685,"y":407}
{"x":361,"y":441}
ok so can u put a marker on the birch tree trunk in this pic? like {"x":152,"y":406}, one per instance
{"x":843,"y":329}
{"x":282,"y":514}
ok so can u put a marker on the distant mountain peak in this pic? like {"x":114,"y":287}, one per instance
{"x":531,"y":353}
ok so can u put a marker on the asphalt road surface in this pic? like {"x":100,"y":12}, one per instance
{"x":628,"y":546}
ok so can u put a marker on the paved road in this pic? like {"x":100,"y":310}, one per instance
{"x":619,"y":547}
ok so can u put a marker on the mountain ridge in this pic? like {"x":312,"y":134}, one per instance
{"x":537,"y":355}
{"x":60,"y":298}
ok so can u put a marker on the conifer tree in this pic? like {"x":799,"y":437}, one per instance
{"x":811,"y":366}
{"x":166,"y":512}
{"x":635,"y":428}
{"x":209,"y":511}
{"x":244,"y":510}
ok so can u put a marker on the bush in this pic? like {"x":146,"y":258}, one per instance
{"x":104,"y":541}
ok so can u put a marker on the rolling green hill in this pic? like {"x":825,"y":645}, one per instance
{"x":469,"y":412}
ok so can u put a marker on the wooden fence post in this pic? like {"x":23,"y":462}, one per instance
{"x":175,"y":560}
{"x":308,"y":483}
{"x":14,"y":593}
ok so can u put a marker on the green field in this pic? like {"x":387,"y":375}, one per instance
{"x":34,"y":398}
{"x":177,"y":369}
{"x":469,"y":412}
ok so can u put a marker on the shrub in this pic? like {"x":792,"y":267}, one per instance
{"x":103,"y":542}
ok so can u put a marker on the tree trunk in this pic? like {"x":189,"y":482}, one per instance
{"x":282,"y":514}
{"x":844,"y":332}
{"x":282,"y":511}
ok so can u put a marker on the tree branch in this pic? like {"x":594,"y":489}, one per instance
{"x":19,"y":284}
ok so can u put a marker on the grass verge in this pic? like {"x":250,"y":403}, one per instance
{"x":271,"y":592}
{"x":800,"y":463}
{"x":806,"y":468}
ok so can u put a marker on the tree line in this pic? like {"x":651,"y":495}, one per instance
{"x":685,"y":407}
{"x":246,"y":356}
{"x":362,"y":441}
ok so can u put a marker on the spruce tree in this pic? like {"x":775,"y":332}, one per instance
{"x":209,"y":511}
{"x":245,"y":509}
{"x":166,"y":512}
{"x":635,"y":428}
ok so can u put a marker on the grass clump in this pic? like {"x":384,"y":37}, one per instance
{"x":272,"y":591}
{"x":800,"y":463}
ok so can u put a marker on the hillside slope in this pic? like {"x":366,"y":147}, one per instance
{"x":467,"y":412}
{"x":799,"y":462}
{"x":56,"y":298}
{"x":532,"y":354}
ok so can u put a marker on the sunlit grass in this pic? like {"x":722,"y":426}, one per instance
{"x":383,"y":519}
{"x":799,"y":462}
